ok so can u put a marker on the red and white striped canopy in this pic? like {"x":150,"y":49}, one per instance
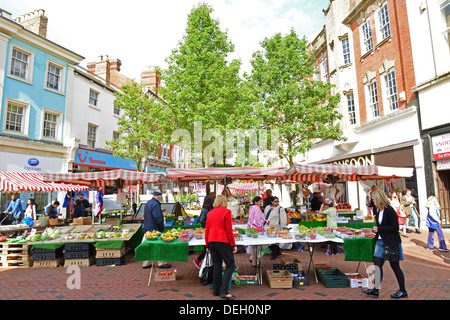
{"x":21,"y":182}
{"x":106,"y":178}
{"x":237,"y":187}
{"x":241,"y":173}
{"x":319,"y":172}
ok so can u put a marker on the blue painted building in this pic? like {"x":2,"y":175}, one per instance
{"x":35,"y":95}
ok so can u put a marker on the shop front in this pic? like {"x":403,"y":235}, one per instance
{"x":441,"y":172}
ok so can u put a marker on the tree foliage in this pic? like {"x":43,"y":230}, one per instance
{"x":139,"y":114}
{"x":302,"y":109}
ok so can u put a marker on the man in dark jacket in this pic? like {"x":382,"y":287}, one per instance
{"x":154,"y":220}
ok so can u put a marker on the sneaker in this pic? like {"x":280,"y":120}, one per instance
{"x":443,"y":250}
{"x":197,"y":263}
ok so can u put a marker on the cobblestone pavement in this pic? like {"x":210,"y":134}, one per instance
{"x":426,"y":272}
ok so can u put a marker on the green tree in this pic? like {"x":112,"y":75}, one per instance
{"x":201,"y":83}
{"x":139,"y":114}
{"x":300,"y":108}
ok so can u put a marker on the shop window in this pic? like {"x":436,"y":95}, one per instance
{"x":445,"y":10}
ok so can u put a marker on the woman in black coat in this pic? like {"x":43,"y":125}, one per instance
{"x":388,"y":244}
{"x":207,"y":207}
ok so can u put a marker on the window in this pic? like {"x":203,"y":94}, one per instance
{"x":15,"y":116}
{"x":51,"y":125}
{"x":116,"y":110}
{"x":346,"y":50}
{"x":116,"y":135}
{"x":93,"y":98}
{"x":373,"y":99}
{"x":91,"y":136}
{"x":367,"y":36}
{"x":351,"y":109}
{"x":445,"y":10}
{"x":391,"y":90}
{"x":316,"y":75}
{"x":325,"y":70}
{"x":383,"y":16}
{"x":21,"y":64}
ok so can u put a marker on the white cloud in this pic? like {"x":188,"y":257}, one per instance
{"x":143,"y":33}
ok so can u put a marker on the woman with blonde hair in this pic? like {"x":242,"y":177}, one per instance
{"x":433,"y":224}
{"x":219,"y":240}
{"x":388,"y":244}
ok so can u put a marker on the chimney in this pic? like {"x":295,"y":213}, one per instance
{"x":100,"y":68}
{"x":35,"y":21}
{"x":151,"y":79}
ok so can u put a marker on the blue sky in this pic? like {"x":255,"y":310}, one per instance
{"x":143,"y":33}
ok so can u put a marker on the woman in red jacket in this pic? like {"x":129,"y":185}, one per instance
{"x":219,"y":240}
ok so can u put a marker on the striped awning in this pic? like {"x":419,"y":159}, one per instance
{"x":33,"y":182}
{"x":320,"y":172}
{"x":241,"y":173}
{"x":120,"y":177}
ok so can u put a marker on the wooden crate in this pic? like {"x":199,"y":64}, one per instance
{"x":49,"y":263}
{"x":15,"y":257}
{"x":279,"y":279}
{"x":79,"y":262}
{"x":15,"y":261}
{"x":109,"y":253}
{"x":14,"y":246}
{"x":160,"y":275}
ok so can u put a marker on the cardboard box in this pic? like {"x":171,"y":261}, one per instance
{"x":83,"y":221}
{"x":246,"y":279}
{"x":355,"y":281}
{"x":169,"y":275}
{"x":279,"y":279}
{"x":55,"y":222}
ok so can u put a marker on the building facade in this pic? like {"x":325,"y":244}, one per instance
{"x":430,"y":40}
{"x":370,"y":61}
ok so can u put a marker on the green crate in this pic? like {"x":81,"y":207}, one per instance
{"x":332,"y":278}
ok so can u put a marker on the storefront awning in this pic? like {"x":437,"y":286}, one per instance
{"x":320,"y":172}
{"x":27,"y":182}
{"x":240,"y":173}
{"x":120,"y":178}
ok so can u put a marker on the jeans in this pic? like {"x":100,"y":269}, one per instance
{"x":415,"y":218}
{"x":441,"y":239}
{"x":221,"y":251}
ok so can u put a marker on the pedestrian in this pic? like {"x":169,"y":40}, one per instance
{"x":48,"y":206}
{"x":330,"y":212}
{"x":316,"y":202}
{"x":370,"y":205}
{"x":400,"y":210}
{"x":78,"y":210}
{"x":276,"y":217}
{"x":255,"y":220}
{"x":387,"y":245}
{"x":409,"y":203}
{"x":268,"y":199}
{"x":53,"y":211}
{"x":434,"y":224}
{"x":219,"y":240}
{"x":154,"y":221}
{"x":207,"y":207}
{"x":15,"y":206}
{"x":30,"y":210}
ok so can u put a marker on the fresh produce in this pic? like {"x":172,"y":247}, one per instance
{"x":3,"y":238}
{"x":152,"y":234}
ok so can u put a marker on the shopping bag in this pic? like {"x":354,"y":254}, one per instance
{"x":206,"y":270}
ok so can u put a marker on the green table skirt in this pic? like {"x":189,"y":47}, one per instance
{"x":359,"y":249}
{"x":158,"y":250}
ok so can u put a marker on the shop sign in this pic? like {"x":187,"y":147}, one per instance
{"x":32,"y":165}
{"x":441,"y":147}
{"x":91,"y":158}
{"x":443,"y":164}
{"x":359,"y":161}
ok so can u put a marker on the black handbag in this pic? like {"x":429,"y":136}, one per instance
{"x":206,"y":275}
{"x":391,"y":253}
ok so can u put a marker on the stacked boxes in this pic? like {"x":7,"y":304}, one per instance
{"x":47,"y":257}
{"x":78,"y":254}
{"x":106,"y":257}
